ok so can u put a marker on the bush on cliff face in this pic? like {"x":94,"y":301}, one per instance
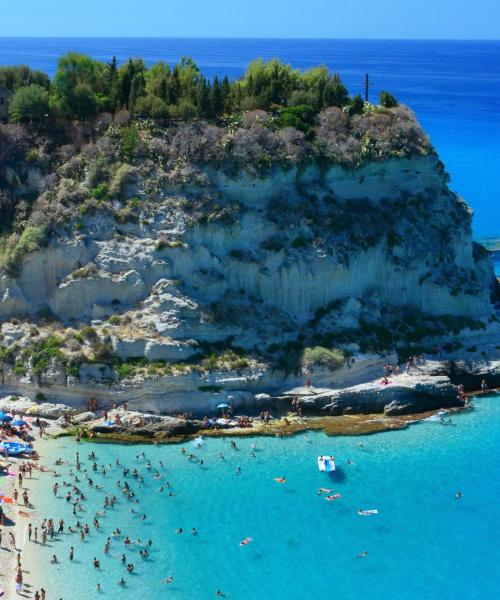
{"x":331,"y":358}
{"x":31,"y":239}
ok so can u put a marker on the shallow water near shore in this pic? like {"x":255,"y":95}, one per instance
{"x":422,"y":544}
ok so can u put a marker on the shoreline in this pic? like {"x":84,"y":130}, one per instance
{"x":345,"y":425}
{"x":351,"y":425}
{"x":18,"y":525}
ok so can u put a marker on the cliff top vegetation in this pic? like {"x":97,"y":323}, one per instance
{"x":83,"y":87}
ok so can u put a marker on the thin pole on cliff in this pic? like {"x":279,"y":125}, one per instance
{"x":367,"y":86}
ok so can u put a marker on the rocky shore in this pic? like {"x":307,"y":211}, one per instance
{"x":370,"y":406}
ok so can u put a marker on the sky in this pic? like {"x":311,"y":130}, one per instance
{"x":400,"y":19}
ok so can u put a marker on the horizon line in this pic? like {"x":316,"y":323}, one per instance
{"x":311,"y":39}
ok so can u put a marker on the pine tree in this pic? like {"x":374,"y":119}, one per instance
{"x":203,"y":98}
{"x":216,"y":100}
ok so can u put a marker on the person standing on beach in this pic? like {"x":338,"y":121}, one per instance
{"x":30,"y":531}
{"x":12,"y":539}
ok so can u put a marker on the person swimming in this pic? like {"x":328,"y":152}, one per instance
{"x":363,"y":554}
{"x":280,"y":479}
{"x":246,"y":541}
{"x":458,"y":495}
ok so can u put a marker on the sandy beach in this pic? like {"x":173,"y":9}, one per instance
{"x":17,"y":520}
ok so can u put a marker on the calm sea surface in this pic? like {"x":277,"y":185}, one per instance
{"x":454,"y":87}
{"x":422,"y":543}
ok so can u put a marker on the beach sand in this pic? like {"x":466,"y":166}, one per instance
{"x":17,"y":523}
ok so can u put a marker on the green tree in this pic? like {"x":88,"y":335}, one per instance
{"x":216,"y":98}
{"x":14,"y":77}
{"x":387,"y":100}
{"x":77,"y":79}
{"x":83,"y":102}
{"x":203,"y":98}
{"x":335,"y":93}
{"x":152,"y":106}
{"x":29,"y":104}
{"x":301,"y":117}
{"x":356,"y":106}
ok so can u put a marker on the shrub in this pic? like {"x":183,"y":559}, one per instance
{"x":31,"y":239}
{"x":29,"y":104}
{"x":114,"y":320}
{"x":32,"y":155}
{"x":125,"y":215}
{"x":186,"y":110}
{"x":356,"y":106}
{"x":387,"y":100}
{"x":331,"y":358}
{"x":100,"y":192}
{"x":88,"y":333}
{"x":301,"y":117}
{"x":122,"y":176}
{"x":84,"y":272}
{"x":40,"y":397}
{"x":129,"y":140}
{"x":43,"y":352}
{"x":125,"y":370}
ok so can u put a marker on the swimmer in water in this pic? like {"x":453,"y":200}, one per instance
{"x":363,"y":554}
{"x":323,"y":490}
{"x":168,"y":579}
{"x":334,"y":497}
{"x":458,"y":495}
{"x":246,"y":541}
{"x":280,"y":479}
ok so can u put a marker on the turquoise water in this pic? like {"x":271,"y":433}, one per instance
{"x":422,"y":544}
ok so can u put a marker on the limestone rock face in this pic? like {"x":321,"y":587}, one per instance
{"x":310,"y":265}
{"x":254,"y":262}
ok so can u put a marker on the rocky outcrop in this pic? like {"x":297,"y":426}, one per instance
{"x":196,"y":284}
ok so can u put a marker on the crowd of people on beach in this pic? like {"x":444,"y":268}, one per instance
{"x":75,"y":483}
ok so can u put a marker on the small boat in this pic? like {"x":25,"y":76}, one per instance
{"x":326,"y":463}
{"x":15,"y":448}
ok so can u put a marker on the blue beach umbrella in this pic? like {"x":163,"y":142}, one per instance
{"x":19,"y":423}
{"x":2,"y":415}
{"x":6,"y":418}
{"x":222,"y":405}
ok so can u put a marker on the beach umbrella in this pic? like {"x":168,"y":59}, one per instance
{"x":222,"y":405}
{"x":19,"y":423}
{"x":2,"y":415}
{"x":6,"y":418}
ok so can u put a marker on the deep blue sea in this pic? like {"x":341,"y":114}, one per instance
{"x":453,"y":86}
{"x":422,"y":544}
